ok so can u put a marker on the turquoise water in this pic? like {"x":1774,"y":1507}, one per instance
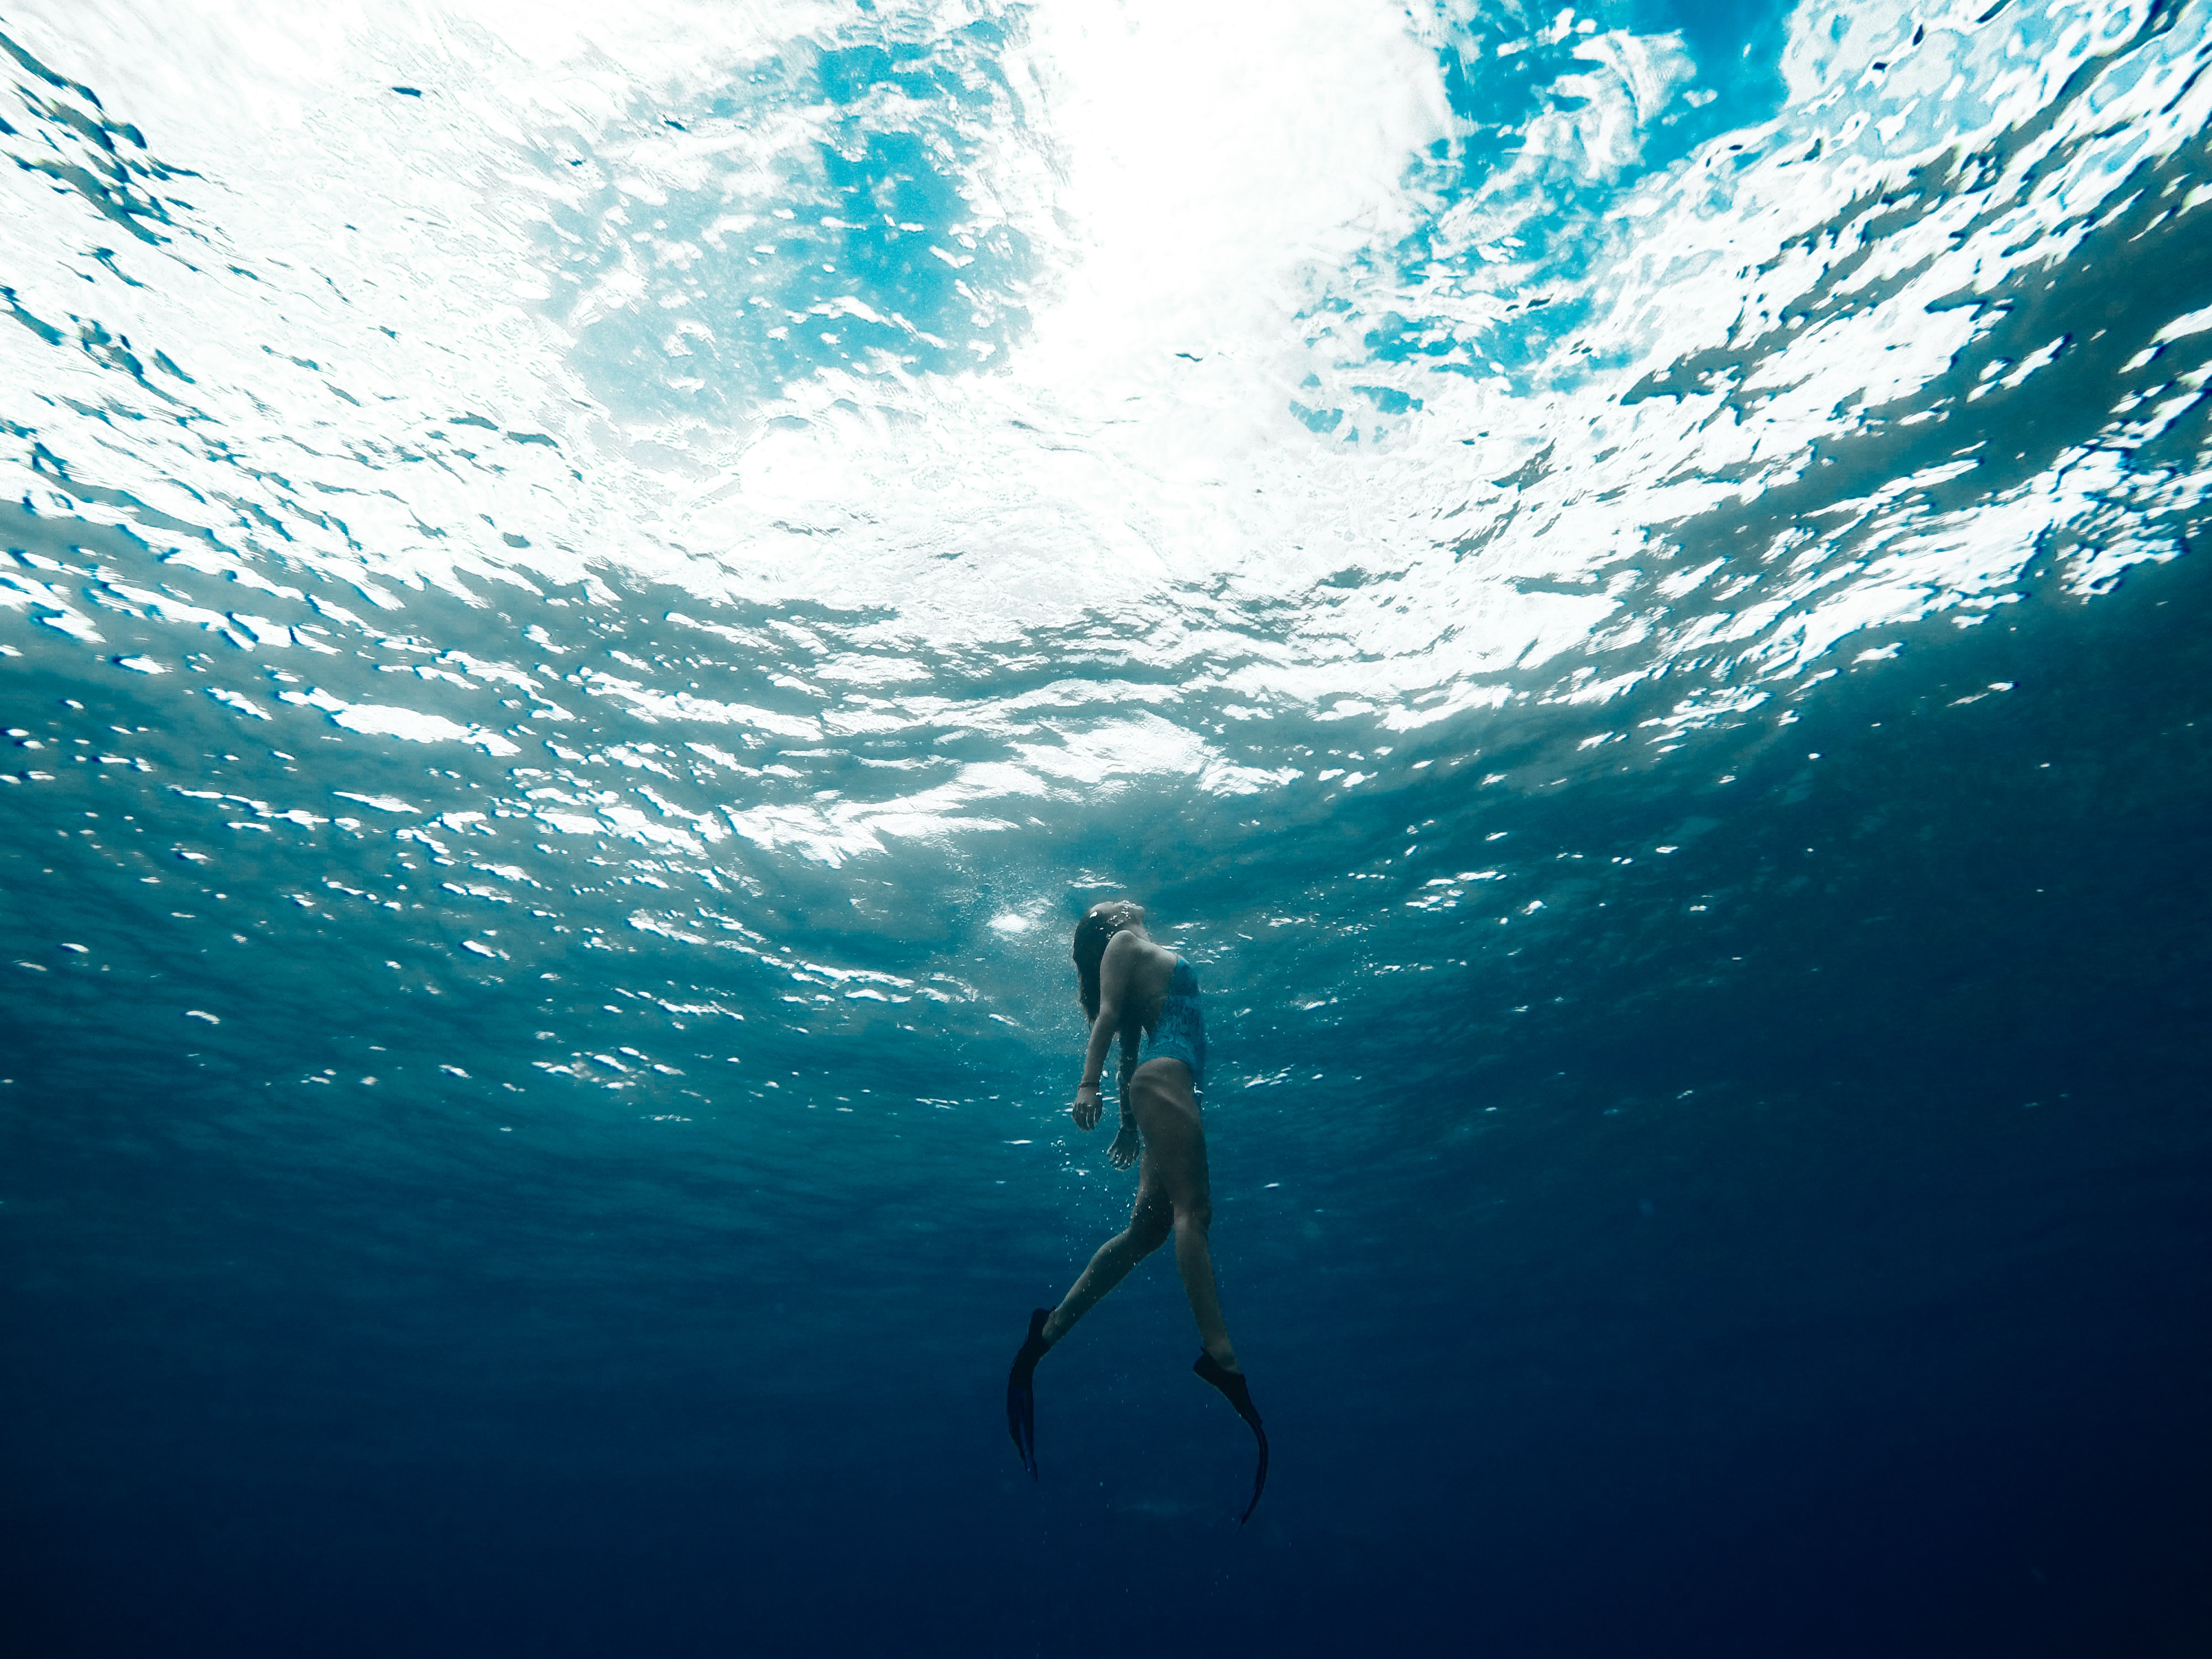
{"x":591,"y":594}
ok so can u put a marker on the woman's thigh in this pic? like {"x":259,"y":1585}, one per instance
{"x":1153,"y":1212}
{"x":1175,"y":1140}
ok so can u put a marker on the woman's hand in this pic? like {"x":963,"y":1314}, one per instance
{"x":1127,"y":1146}
{"x":1087,"y":1107}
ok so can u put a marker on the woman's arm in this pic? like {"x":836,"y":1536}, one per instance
{"x":1113,"y":984}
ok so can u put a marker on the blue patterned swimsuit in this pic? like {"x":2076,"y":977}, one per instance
{"x":1179,"y":1033}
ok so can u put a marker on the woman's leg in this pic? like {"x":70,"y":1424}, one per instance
{"x":1175,"y":1146}
{"x":1149,"y":1222}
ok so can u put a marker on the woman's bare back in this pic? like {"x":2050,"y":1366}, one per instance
{"x":1136,"y":974}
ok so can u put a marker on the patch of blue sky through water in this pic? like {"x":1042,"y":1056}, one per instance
{"x":1563,"y":114}
{"x":1572,"y":124}
{"x":1774,"y":362}
{"x":1555,"y":111}
{"x":828,"y":209}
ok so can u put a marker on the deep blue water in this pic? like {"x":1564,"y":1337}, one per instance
{"x":590,"y":598}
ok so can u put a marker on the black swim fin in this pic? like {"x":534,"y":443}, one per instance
{"x":1238,"y":1393}
{"x":1021,"y":1396}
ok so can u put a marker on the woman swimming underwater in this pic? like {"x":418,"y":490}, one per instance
{"x":1148,"y":995}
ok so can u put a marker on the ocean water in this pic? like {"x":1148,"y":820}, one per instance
{"x":589,"y":591}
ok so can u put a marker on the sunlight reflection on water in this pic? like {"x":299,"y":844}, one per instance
{"x":729,"y":448}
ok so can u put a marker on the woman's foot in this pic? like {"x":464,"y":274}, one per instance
{"x":1238,"y":1393}
{"x":1021,"y":1394}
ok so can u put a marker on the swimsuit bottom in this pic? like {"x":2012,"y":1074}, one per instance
{"x":1180,"y":1031}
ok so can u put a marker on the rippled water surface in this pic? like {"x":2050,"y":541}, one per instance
{"x":591,"y":590}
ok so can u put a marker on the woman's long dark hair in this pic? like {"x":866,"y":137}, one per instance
{"x":1098,"y":926}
